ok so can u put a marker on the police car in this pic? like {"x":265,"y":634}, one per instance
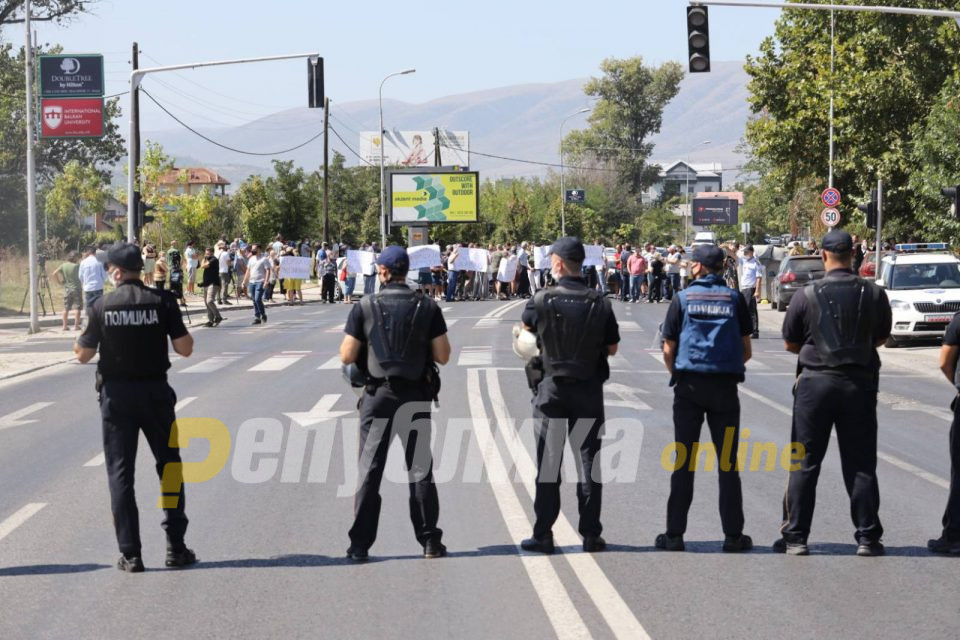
{"x":922,"y":281}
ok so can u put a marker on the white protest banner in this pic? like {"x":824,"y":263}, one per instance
{"x":594,"y":254}
{"x":541,"y":257}
{"x":472,"y":259}
{"x":508,"y":269}
{"x":294,"y":267}
{"x":360,"y":261}
{"x":424,"y":256}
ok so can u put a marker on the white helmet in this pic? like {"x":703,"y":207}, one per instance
{"x":524,"y":343}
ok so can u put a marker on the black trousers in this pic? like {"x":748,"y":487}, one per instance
{"x":951,"y":517}
{"x":562,"y":409}
{"x":713,"y":397}
{"x":822,"y":400}
{"x":749,"y":294}
{"x":383,"y":415}
{"x":327,"y":285}
{"x":128,"y":407}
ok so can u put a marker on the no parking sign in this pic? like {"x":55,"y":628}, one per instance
{"x":830,"y":197}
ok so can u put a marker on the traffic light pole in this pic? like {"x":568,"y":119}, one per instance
{"x":878,"y":246}
{"x":136,"y":76}
{"x":936,"y":13}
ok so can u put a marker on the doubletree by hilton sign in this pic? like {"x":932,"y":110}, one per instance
{"x":71,"y":76}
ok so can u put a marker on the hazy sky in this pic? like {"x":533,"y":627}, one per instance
{"x":456,"y":47}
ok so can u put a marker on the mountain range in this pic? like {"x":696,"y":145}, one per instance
{"x":520,"y":122}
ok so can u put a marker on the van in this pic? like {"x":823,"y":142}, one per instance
{"x":704,"y":237}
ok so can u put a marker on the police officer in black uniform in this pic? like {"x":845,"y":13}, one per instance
{"x":706,"y":344}
{"x":949,"y":540}
{"x":130,"y":326}
{"x":835,"y":325}
{"x":576,"y":331}
{"x":396,"y":336}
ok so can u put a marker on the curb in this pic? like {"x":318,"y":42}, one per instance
{"x":24,"y":372}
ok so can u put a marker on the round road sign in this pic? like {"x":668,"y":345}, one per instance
{"x":830,"y":217}
{"x":830,"y":197}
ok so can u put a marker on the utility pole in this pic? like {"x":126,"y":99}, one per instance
{"x":326,"y":169}
{"x":437,"y":161}
{"x":879,"y":247}
{"x":135,"y":141}
{"x":31,"y":174}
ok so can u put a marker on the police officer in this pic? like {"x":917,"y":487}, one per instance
{"x":949,"y":540}
{"x":576,"y":331}
{"x":396,"y":336}
{"x":706,"y":343}
{"x":835,"y":325}
{"x":130,"y":326}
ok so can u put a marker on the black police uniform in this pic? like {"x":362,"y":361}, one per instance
{"x":575,"y":326}
{"x":396,"y":326}
{"x":707,"y":370}
{"x":838,"y":321}
{"x":131,"y":326}
{"x":951,"y":515}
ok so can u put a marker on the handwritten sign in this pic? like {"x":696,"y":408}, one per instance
{"x":294,"y":267}
{"x":424,"y":256}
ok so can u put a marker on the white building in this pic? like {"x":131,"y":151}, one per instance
{"x":679,"y":177}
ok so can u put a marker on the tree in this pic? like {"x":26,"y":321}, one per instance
{"x":76,"y":194}
{"x":42,"y":10}
{"x":889,"y":70}
{"x":629,"y":109}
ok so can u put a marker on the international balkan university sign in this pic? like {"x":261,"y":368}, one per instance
{"x":71,"y":92}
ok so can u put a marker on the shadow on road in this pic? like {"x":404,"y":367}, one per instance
{"x":50,"y":569}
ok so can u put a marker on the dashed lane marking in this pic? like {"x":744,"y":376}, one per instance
{"x":26,"y":512}
{"x":16,"y":418}
{"x":332,"y":363}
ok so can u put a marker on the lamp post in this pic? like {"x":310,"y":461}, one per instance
{"x":563,"y":193}
{"x":687,"y":212}
{"x":383,"y":207}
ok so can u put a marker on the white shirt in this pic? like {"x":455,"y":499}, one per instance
{"x":224,"y":261}
{"x":92,"y":274}
{"x":673,"y":262}
{"x":192,"y":257}
{"x":257,"y":267}
{"x":750,"y":271}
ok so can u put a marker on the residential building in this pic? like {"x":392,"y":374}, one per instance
{"x":191,"y":181}
{"x":680,"y":177}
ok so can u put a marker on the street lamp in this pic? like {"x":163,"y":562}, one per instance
{"x":383,"y":207}
{"x":687,"y":212}
{"x":563,"y":193}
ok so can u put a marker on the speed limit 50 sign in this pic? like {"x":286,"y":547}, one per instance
{"x":830,"y":217}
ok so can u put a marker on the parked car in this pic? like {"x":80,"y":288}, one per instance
{"x":924,"y":291}
{"x":704,"y":237}
{"x":795,"y":272}
{"x":868,"y":268}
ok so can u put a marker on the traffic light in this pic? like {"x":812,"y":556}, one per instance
{"x":142,"y":208}
{"x":698,"y":39}
{"x":315,"y":83}
{"x":870,"y":208}
{"x":953,"y":194}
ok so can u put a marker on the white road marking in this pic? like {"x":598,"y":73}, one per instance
{"x":478,"y":356}
{"x":445,"y":309}
{"x":319,"y":412}
{"x":561,"y":613}
{"x":183,"y":402}
{"x":629,"y":325}
{"x":332,"y":363}
{"x":755,"y":365}
{"x":886,"y":457}
{"x":96,"y":461}
{"x":212,"y":364}
{"x":25,"y":513}
{"x":15,"y":419}
{"x":605,"y":596}
{"x":292,"y":352}
{"x":452,"y":322}
{"x":899,"y":403}
{"x":276,"y":363}
{"x":493,"y":318}
{"x":627,"y":397}
{"x":656,"y":356}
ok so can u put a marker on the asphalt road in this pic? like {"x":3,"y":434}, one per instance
{"x":270,"y":528}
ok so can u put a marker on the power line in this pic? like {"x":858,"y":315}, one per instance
{"x":544,"y":164}
{"x":362,"y":159}
{"x":223,"y":146}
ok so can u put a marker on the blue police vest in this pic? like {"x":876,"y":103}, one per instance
{"x":710,"y":338}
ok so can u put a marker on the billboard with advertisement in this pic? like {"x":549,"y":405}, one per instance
{"x":709,"y":211}
{"x":415,"y":148}
{"x":433,"y":195}
{"x":71,"y":76}
{"x":71,"y":118}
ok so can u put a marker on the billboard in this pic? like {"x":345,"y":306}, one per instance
{"x":71,"y":76}
{"x":71,"y":118}
{"x":708,"y":211}
{"x":433,"y":195}
{"x":416,"y":148}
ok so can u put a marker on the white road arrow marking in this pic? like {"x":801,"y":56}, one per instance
{"x":628,"y":397}
{"x":320,"y":411}
{"x":14,"y":419}
{"x":18,"y":518}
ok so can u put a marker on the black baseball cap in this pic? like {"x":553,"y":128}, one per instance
{"x":709,"y":255}
{"x":569,"y":249}
{"x":837,"y":241}
{"x":395,"y":259}
{"x":125,"y":256}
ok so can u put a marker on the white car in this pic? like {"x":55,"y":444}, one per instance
{"x":924,"y":293}
{"x":704,"y":237}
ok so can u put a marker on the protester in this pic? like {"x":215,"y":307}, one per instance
{"x":210,"y":284}
{"x":68,"y":274}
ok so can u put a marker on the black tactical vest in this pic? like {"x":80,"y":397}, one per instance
{"x":840,"y":315}
{"x":396,"y":323}
{"x":570,"y":327}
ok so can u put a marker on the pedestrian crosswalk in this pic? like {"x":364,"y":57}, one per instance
{"x":278,"y":362}
{"x":478,"y":356}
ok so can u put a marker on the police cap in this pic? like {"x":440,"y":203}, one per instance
{"x":709,"y":255}
{"x":125,"y":256}
{"x":837,"y":241}
{"x":569,"y":249}
{"x":395,"y":259}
